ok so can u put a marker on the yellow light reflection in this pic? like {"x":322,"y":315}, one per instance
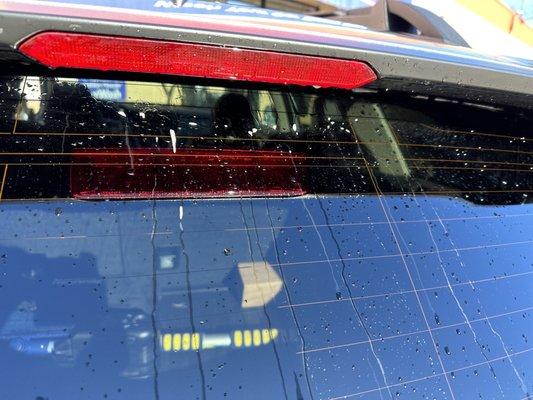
{"x":174,"y":342}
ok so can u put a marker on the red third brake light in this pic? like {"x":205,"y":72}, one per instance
{"x":125,"y":54}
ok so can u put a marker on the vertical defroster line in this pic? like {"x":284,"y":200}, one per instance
{"x":2,"y":184}
{"x":19,"y":105}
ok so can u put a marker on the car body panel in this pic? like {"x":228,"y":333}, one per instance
{"x":391,"y":55}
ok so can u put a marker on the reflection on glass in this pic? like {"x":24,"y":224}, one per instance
{"x":158,"y":242}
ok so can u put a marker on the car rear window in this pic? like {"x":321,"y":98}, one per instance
{"x":166,"y":240}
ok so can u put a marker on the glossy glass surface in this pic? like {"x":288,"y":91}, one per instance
{"x":402,"y":270}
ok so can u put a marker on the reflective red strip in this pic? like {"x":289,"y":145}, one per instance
{"x":187,"y":173}
{"x":124,"y":54}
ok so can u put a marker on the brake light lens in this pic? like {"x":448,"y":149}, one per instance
{"x":188,"y":173}
{"x":125,"y":54}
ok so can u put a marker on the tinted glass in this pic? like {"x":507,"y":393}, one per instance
{"x":176,"y":241}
